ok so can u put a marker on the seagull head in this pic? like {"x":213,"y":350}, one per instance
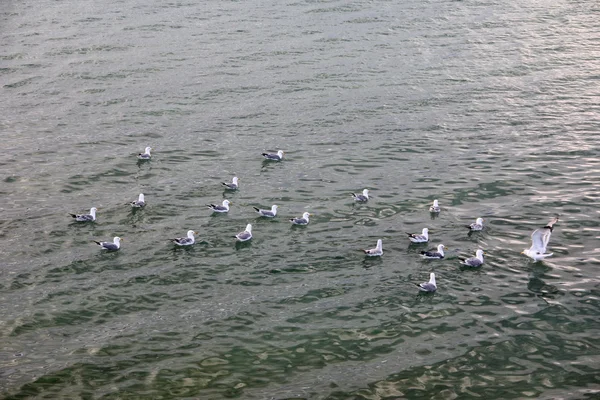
{"x":435,"y":203}
{"x":117,"y":240}
{"x":479,"y":254}
{"x":191,"y":234}
{"x":441,"y":248}
{"x":249,"y":228}
{"x":479,"y":221}
{"x":274,"y":208}
{"x":306,"y":215}
{"x":366,"y":192}
{"x":235,"y":180}
{"x":432,"y":278}
{"x":280,"y":153}
{"x":93,"y":211}
{"x":226,"y":203}
{"x":141,"y":197}
{"x":147,"y":151}
{"x":425,"y":232}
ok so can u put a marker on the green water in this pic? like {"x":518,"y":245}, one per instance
{"x":490,"y":107}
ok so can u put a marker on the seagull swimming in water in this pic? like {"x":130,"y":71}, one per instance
{"x":539,"y":241}
{"x":146,"y":154}
{"x":139,"y":202}
{"x":435,"y":207}
{"x":428,"y":286}
{"x":220,"y":209}
{"x":267,"y":213}
{"x":185,"y":241}
{"x":302,"y":220}
{"x":361,"y":197}
{"x":112,"y":246}
{"x":433,"y":254}
{"x":233,"y":185}
{"x":245,"y":235}
{"x":377,"y":251}
{"x":419,"y":238}
{"x":476,"y":261}
{"x":274,"y":156}
{"x":477,"y":225}
{"x":86,"y":217}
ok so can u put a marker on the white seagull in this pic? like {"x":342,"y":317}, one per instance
{"x":477,"y":225}
{"x":302,"y":220}
{"x":539,"y":241}
{"x":267,"y":213}
{"x":185,"y":241}
{"x":233,"y":185}
{"x":220,"y":209}
{"x":428,"y":286}
{"x":112,"y":246}
{"x":139,"y":202}
{"x":474,"y":262}
{"x":146,"y":154}
{"x":377,"y":251}
{"x":419,"y":238}
{"x":86,"y":217}
{"x":274,"y":156}
{"x":433,"y":254}
{"x":435,"y":207}
{"x":361,"y":197}
{"x":245,"y":235}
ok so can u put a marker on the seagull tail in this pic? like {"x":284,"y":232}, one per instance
{"x":257,"y":209}
{"x":73,"y":215}
{"x":97,"y":242}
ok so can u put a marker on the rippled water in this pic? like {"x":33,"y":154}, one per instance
{"x":491,"y":107}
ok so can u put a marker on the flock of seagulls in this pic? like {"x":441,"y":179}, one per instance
{"x":539,"y":238}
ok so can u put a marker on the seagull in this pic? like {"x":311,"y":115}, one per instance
{"x":377,"y":251}
{"x":139,"y":202}
{"x":185,"y":241}
{"x":539,"y":240}
{"x":86,"y":217}
{"x":361,"y":197}
{"x":274,"y":157}
{"x":428,"y":286}
{"x":476,"y":261}
{"x":267,"y":213}
{"x":146,"y":154}
{"x":477,"y":225}
{"x":245,"y":235}
{"x":301,"y":221}
{"x":233,"y":185}
{"x":112,"y":246}
{"x":220,"y":209}
{"x":419,"y":238}
{"x":435,"y":207}
{"x":432,"y":254}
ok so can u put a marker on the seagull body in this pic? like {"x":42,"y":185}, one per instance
{"x":186,"y":241}
{"x":267,"y":213}
{"x":477,"y":225}
{"x":245,"y":235}
{"x":377,"y":251}
{"x":435,"y":207}
{"x":139,"y":202}
{"x":233,"y":185}
{"x":361,"y":197}
{"x":419,"y":238}
{"x":428,"y":286}
{"x":274,"y":156}
{"x":146,"y":154}
{"x":86,"y":217}
{"x":111,"y":246}
{"x":539,"y":241}
{"x":220,"y":209}
{"x":476,"y":261}
{"x":433,"y":254}
{"x":302,"y":220}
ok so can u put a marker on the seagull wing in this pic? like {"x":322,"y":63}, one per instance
{"x":540,"y":238}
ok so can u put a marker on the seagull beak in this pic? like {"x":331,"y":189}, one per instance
{"x":195,"y":233}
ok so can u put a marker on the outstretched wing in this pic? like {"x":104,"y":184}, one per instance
{"x":540,"y":238}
